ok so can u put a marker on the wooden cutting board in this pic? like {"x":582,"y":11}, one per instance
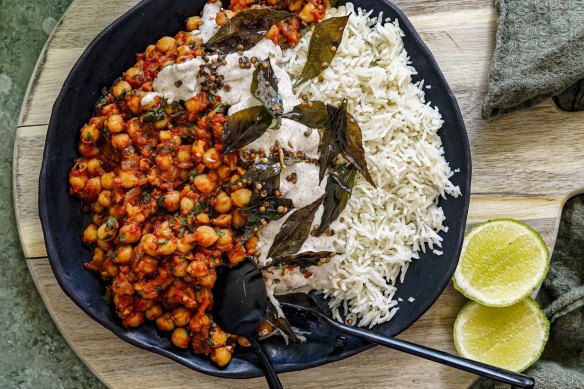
{"x":526,"y":166}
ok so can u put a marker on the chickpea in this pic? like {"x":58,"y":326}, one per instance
{"x":205,"y":236}
{"x":221,"y":356}
{"x":134,"y":320}
{"x":94,"y":167}
{"x":96,"y":208}
{"x":151,"y":104}
{"x":203,"y":218}
{"x":164,"y":161}
{"x":77,"y":183}
{"x":107,"y":180}
{"x":225,"y":237}
{"x":124,"y":255}
{"x":134,"y":76}
{"x":165,"y":322}
{"x":212,"y":158}
{"x":166,"y":246}
{"x":223,"y":17}
{"x":224,"y":173}
{"x":204,"y":184}
{"x":181,"y":316}
{"x":184,"y":154}
{"x":223,"y":203}
{"x":121,"y":88}
{"x":239,"y":218}
{"x":147,"y":265}
{"x":241,"y":197}
{"x":180,"y":338}
{"x":308,"y":13}
{"x":90,"y":234}
{"x":121,"y":141}
{"x":115,"y":123}
{"x":162,"y":123}
{"x":193,"y":23}
{"x":295,"y":5}
{"x":105,"y":233}
{"x":218,"y":336}
{"x":223,"y":220}
{"x":251,"y":244}
{"x":133,"y":127}
{"x":92,"y":187}
{"x":208,"y":280}
{"x":128,"y":180}
{"x":186,"y":205}
{"x":134,"y":104}
{"x":171,"y":200}
{"x":149,"y":51}
{"x":183,"y":247}
{"x":236,"y":255}
{"x":110,"y":269}
{"x":198,"y":150}
{"x":88,"y":150}
{"x":198,"y":269}
{"x":154,"y":312}
{"x":166,"y":44}
{"x":199,"y":322}
{"x":130,"y":232}
{"x":90,"y":134}
{"x":149,"y":244}
{"x":105,"y":198}
{"x":103,"y":244}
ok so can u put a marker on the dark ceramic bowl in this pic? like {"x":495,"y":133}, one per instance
{"x":104,"y":60}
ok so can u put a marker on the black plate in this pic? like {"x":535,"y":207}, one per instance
{"x":104,"y":60}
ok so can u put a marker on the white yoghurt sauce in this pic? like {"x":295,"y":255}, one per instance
{"x":292,"y":136}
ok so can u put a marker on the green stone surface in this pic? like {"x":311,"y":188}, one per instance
{"x":33,"y":354}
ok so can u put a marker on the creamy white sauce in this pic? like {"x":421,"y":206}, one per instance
{"x":209,"y":16}
{"x":292,"y":136}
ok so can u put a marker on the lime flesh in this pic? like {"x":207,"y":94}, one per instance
{"x":502,"y":262}
{"x":511,"y":338}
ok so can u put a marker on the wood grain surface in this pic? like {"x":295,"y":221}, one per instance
{"x":525,"y":166}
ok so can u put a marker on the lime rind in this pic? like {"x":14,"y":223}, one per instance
{"x":474,"y":295}
{"x":541,"y":319}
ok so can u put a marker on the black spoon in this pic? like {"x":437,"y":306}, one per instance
{"x":307,"y":304}
{"x":239,"y":306}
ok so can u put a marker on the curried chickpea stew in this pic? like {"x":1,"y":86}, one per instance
{"x":169,"y":202}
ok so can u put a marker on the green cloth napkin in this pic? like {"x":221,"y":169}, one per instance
{"x":539,"y":54}
{"x":562,"y":297}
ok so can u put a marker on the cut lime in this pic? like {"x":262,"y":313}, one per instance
{"x":511,"y":338}
{"x":502,"y":262}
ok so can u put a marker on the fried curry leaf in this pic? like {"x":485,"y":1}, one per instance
{"x":326,"y":38}
{"x":343,"y":136}
{"x":337,"y":193}
{"x":306,"y":259}
{"x":245,"y":30}
{"x":351,"y":145}
{"x":280,"y":323}
{"x":294,"y":231}
{"x":264,"y":87}
{"x":313,"y":114}
{"x":244,"y":127}
{"x":329,"y":146}
{"x":263,"y":172}
{"x":270,"y":213}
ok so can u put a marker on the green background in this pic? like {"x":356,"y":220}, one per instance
{"x":33,"y":354}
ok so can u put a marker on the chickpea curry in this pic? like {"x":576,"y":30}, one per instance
{"x":168,"y":203}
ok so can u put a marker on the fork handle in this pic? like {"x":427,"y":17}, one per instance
{"x":474,"y":367}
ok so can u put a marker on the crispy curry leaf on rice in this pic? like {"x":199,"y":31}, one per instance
{"x":387,"y":226}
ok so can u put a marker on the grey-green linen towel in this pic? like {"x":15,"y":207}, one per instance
{"x":562,"y":297}
{"x":539,"y":54}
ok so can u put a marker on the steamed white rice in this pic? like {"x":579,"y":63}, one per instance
{"x":386,"y":227}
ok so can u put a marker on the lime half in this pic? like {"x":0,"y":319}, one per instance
{"x":502,"y":262}
{"x":511,"y":338}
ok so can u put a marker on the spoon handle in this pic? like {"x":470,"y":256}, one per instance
{"x":267,"y":367}
{"x":478,"y":368}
